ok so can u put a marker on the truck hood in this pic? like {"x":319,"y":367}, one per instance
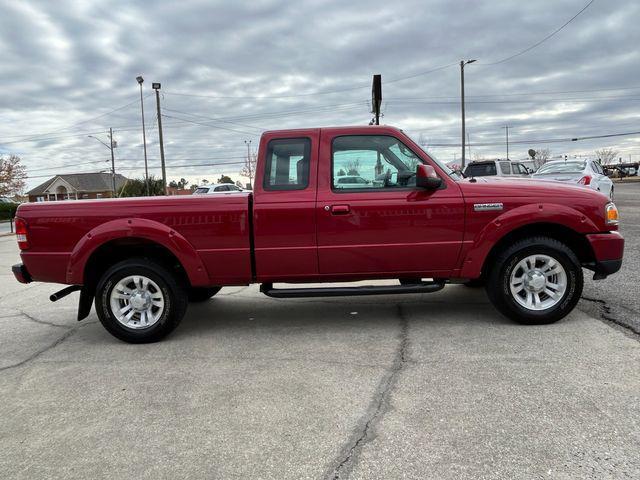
{"x":502,"y":187}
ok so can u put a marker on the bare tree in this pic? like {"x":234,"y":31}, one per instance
{"x":541,"y":157}
{"x":249,"y":168}
{"x":607,"y":155}
{"x":12,"y":175}
{"x":353,"y":167}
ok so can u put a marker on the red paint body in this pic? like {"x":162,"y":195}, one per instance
{"x":317,"y":234}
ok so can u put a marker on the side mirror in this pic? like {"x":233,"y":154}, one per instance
{"x":426,"y":177}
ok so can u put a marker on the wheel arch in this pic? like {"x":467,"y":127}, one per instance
{"x":125,"y":238}
{"x":576,"y":241}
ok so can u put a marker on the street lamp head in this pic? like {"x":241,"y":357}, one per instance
{"x":471,"y":61}
{"x":140,"y":79}
{"x":155,"y":85}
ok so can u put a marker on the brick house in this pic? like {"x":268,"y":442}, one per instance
{"x":76,"y":186}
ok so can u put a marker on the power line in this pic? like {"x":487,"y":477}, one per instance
{"x":540,"y":141}
{"x":528,"y":49}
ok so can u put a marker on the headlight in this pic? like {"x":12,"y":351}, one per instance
{"x":611,"y":214}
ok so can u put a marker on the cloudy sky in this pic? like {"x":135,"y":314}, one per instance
{"x":230,"y":70}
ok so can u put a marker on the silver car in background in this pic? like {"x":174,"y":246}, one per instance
{"x":582,"y":172}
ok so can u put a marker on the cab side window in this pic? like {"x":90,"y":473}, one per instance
{"x":287,"y":164}
{"x":368,"y":162}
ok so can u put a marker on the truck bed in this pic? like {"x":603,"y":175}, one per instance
{"x":215,"y":227}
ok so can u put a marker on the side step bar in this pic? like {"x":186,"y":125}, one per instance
{"x":423,"y":287}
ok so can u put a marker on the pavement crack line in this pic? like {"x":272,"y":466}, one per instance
{"x":607,"y":315}
{"x":70,"y":331}
{"x":379,"y":406}
{"x":42,"y":322}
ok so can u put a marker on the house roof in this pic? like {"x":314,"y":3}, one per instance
{"x":82,"y":182}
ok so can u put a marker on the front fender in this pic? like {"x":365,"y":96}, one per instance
{"x":495,"y":230}
{"x":136,"y":228}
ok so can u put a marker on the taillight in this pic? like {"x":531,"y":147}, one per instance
{"x":21,"y":233}
{"x":586,"y":180}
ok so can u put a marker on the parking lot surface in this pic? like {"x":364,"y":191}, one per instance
{"x":434,"y":386}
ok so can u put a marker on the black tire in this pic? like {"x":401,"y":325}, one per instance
{"x":201,"y":294}
{"x":498,"y":284}
{"x":611,"y":194}
{"x":175,"y":300}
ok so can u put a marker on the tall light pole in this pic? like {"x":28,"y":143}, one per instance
{"x":144,"y":136}
{"x":462,"y":64}
{"x":156,"y":87}
{"x":111,"y":146}
{"x":507,"y":127}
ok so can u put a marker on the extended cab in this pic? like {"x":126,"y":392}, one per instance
{"x":410,"y":218}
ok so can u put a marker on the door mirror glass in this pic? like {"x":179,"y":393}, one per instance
{"x":426,"y":177}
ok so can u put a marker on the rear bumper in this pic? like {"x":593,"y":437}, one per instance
{"x":21,"y":273}
{"x":608,"y":249}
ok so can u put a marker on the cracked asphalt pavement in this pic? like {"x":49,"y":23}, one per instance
{"x":419,"y":386}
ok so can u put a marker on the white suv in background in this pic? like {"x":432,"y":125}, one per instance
{"x":500,"y":168}
{"x":217,"y":188}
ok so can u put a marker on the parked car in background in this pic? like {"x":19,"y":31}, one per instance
{"x":500,"y":168}
{"x":582,"y":172}
{"x":217,"y":188}
{"x":352,"y":181}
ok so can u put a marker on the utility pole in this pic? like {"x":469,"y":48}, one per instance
{"x":111,"y":146}
{"x":469,"y":145}
{"x":506,"y":127}
{"x":156,"y":87}
{"x":139,"y":79}
{"x":462,"y":64}
{"x":113,"y":162}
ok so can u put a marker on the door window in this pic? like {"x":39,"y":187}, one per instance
{"x":368,"y":162}
{"x":287,"y":164}
{"x":505,"y":168}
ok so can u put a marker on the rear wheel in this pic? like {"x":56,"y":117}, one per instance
{"x":201,"y":294}
{"x":535,"y":281}
{"x":139,"y":301}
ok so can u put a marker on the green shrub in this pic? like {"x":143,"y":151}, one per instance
{"x":8,"y":210}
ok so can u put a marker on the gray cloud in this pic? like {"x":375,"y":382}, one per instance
{"x":65,"y":63}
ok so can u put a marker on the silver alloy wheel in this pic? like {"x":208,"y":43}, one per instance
{"x":538,"y":282}
{"x":137,"y":302}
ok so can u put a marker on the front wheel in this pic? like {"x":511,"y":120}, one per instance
{"x":139,"y":301}
{"x":535,"y":281}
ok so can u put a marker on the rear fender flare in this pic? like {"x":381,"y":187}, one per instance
{"x":518,"y":217}
{"x":136,"y":228}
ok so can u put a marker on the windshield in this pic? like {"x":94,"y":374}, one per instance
{"x":452,"y":173}
{"x":201,"y":190}
{"x":562,"y":167}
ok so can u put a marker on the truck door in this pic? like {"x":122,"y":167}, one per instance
{"x":372,"y":219}
{"x":284,"y":220}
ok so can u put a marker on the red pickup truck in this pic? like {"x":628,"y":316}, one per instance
{"x":329,"y":205}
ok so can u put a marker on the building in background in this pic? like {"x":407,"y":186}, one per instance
{"x":76,"y":186}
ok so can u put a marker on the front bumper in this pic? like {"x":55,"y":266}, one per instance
{"x":608,"y":249}
{"x":21,"y":273}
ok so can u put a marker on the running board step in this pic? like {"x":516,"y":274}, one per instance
{"x":424,"y":287}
